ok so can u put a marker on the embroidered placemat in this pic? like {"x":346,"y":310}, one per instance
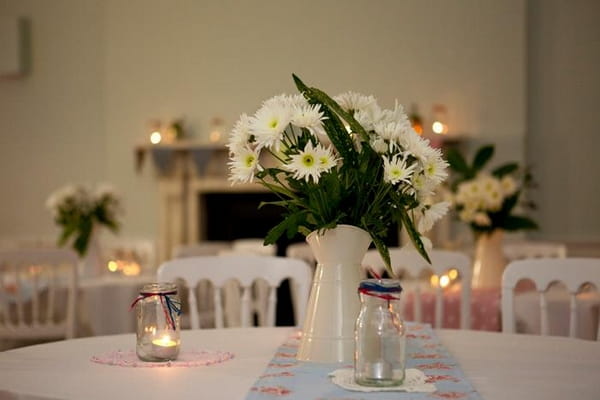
{"x":287,"y":378}
{"x":189,"y":358}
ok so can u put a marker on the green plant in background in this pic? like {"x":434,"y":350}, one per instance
{"x":78,"y":209}
{"x":487,"y":201}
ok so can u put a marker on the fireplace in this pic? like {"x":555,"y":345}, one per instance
{"x":230,"y":216}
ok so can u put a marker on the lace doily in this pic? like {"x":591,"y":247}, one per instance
{"x":190,"y":358}
{"x":414,"y":381}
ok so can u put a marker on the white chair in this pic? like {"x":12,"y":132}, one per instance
{"x":204,"y":292}
{"x":208,"y":248}
{"x":245,"y":269}
{"x":301,"y":251}
{"x":408,"y":260}
{"x":574,"y":273}
{"x":250,"y":246}
{"x":32,"y":283}
{"x":524,"y":249}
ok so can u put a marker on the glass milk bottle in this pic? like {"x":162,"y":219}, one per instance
{"x":380,"y":335}
{"x":158,"y":309}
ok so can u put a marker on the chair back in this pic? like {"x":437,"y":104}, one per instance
{"x":245,"y":269}
{"x":252,"y":246}
{"x":211,"y":248}
{"x":301,"y":251}
{"x":524,"y":249}
{"x":32,"y":287}
{"x":574,"y":273}
{"x":408,"y":260}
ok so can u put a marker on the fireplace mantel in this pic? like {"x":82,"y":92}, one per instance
{"x":185,"y":172}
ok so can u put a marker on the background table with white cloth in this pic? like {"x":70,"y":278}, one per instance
{"x":104,"y":303}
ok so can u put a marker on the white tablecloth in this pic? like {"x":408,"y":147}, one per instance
{"x":500,"y":366}
{"x":104,"y":303}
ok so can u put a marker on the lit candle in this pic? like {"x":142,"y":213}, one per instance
{"x":165,"y":348}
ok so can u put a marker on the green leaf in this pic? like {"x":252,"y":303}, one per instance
{"x":335,"y":129}
{"x":82,"y":240}
{"x":509,"y":203}
{"x":483,"y":155}
{"x":457,"y":162}
{"x":68,"y":230}
{"x":276,"y":232}
{"x":505,"y":169}
{"x":516,"y":222}
{"x":385,"y":254}
{"x":413,"y":234}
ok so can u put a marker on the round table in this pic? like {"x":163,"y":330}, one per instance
{"x":499,"y":366}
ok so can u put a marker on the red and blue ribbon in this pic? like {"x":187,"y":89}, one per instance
{"x":170,"y":306}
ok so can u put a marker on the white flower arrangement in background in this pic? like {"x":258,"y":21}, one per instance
{"x":77,"y":209}
{"x":481,"y":196}
{"x":344,"y":160}
{"x":486,"y":201}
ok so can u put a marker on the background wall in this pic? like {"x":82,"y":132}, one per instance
{"x":564,"y":123}
{"x":103,"y":69}
{"x":53,"y":121}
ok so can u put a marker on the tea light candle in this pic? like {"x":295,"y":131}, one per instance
{"x":165,"y":347}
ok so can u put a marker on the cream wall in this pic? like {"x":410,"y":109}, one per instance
{"x":52,"y":124}
{"x":103,"y":69}
{"x":564,"y":122}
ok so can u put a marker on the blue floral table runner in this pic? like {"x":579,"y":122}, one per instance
{"x":287,"y":378}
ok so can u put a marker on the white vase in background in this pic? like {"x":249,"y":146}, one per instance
{"x":90,"y":264}
{"x":489,"y":261}
{"x":333,"y":305}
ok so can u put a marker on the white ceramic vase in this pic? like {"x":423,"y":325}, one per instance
{"x":489,"y":261}
{"x":90,"y":265}
{"x":333,"y":305}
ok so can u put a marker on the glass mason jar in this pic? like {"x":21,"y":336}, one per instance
{"x":380,"y":335}
{"x":158,"y":309}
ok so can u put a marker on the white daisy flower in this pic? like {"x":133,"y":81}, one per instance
{"x":306,"y":164}
{"x":421,"y":187}
{"x":389,"y":130}
{"x":509,"y":186}
{"x":431,"y":214}
{"x":282,"y":100}
{"x":240,"y":134}
{"x":435,"y":170}
{"x":367,"y":118}
{"x":378,"y":144}
{"x":309,"y":116}
{"x":269,"y":123}
{"x":414,"y":144}
{"x":243,"y":165}
{"x":396,"y":170}
{"x":467,"y":215}
{"x":351,"y":101}
{"x":325,"y":158}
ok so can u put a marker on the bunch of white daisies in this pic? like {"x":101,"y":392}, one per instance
{"x":476,"y":199}
{"x":487,"y":201}
{"x":378,"y":165}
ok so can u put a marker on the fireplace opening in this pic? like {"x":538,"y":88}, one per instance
{"x":231,"y":216}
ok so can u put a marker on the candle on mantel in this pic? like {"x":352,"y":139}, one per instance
{"x":165,"y":348}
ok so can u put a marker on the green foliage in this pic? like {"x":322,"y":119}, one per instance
{"x":77,"y":210}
